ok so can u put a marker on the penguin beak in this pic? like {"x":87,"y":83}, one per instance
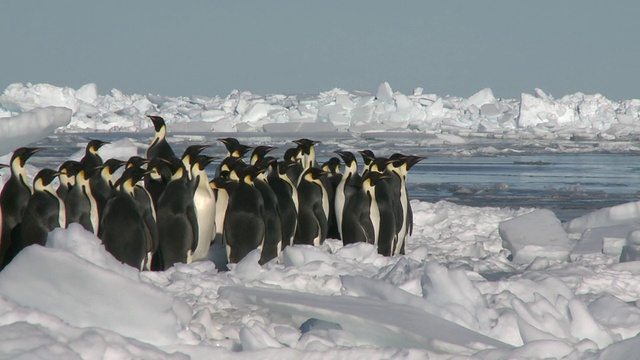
{"x":3,"y":166}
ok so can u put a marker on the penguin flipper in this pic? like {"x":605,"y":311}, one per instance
{"x":193,"y":220}
{"x":367,"y":227}
{"x":321,"y":217}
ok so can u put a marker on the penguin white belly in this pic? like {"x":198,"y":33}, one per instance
{"x":340,"y":199}
{"x":62,"y":213}
{"x":205,"y":204}
{"x":404,"y":201}
{"x":93,"y":212}
{"x":325,"y":202}
{"x":374,"y":215}
{"x":222,"y":200}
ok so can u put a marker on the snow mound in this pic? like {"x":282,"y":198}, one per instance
{"x":536,"y":234}
{"x":82,"y":294}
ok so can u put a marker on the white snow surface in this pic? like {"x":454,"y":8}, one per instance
{"x":455,"y":294}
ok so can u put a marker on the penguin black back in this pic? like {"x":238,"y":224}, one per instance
{"x":15,"y":196}
{"x":177,"y":221}
{"x":313,"y":211}
{"x":122,"y":227}
{"x":44,"y":212}
{"x":244,"y":226}
{"x":273,"y":239}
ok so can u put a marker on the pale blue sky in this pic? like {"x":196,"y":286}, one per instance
{"x":293,"y":47}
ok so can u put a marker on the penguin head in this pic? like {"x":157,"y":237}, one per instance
{"x":178,"y":171}
{"x":43,"y":180}
{"x":313,"y":175}
{"x":129,"y":178}
{"x":223,"y":183}
{"x":191,"y":152}
{"x":367,"y":157}
{"x":230,"y":164}
{"x":68,"y":171}
{"x":201,"y":162}
{"x":136,"y":161}
{"x":349,"y":160}
{"x":94,"y":145}
{"x":234,"y":148}
{"x":159,"y":170}
{"x":259,"y":152}
{"x":21,"y":155}
{"x":306,"y":145}
{"x":112,"y":165}
{"x":292,"y":154}
{"x":332,"y":166}
{"x":158,"y":123}
{"x":248,"y":174}
{"x":372,"y":179}
{"x":379,"y":164}
{"x":412,"y":160}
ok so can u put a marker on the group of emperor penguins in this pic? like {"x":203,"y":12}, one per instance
{"x":163,"y":209}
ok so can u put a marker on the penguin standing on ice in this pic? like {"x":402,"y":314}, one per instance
{"x":287,"y":196}
{"x":205,"y":204}
{"x":44,"y":212}
{"x":15,"y":196}
{"x":222,"y":188}
{"x":330,"y":182}
{"x":349,"y":185}
{"x":361,"y":218}
{"x":157,"y":179}
{"x":244,"y":227}
{"x":177,"y":220}
{"x":294,"y":165}
{"x":399,"y":169}
{"x":159,"y":146}
{"x":103,"y":181}
{"x":314,"y":208}
{"x":80,"y":204}
{"x":122,"y":228}
{"x":273,"y":240}
{"x":386,"y":202}
{"x":147,"y":207}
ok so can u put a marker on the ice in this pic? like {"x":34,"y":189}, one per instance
{"x":624,"y":214}
{"x":631,"y":247}
{"x":31,"y":126}
{"x":380,"y":322}
{"x":607,"y":240}
{"x":85,"y":295}
{"x":538,"y":233}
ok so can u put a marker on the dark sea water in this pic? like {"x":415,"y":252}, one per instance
{"x":477,"y":173}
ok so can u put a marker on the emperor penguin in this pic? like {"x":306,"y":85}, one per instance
{"x":222,"y":188}
{"x":102,"y":182}
{"x":91,"y":158}
{"x":159,"y":146}
{"x":205,"y":204}
{"x":177,"y":220}
{"x":386,"y":203}
{"x":147,"y":207}
{"x":273,"y":239}
{"x":122,"y":229}
{"x":294,"y":164}
{"x":259,"y":153}
{"x":44,"y":212}
{"x":399,"y":168}
{"x":314,"y":208}
{"x":361,"y":221}
{"x":367,"y":157}
{"x":189,"y":158}
{"x":15,"y":195}
{"x":235,"y":150}
{"x":157,"y":179}
{"x":307,"y":152}
{"x":330,"y":183}
{"x":80,"y":204}
{"x":244,"y":226}
{"x":287,"y":194}
{"x":349,"y":185}
{"x":68,"y":171}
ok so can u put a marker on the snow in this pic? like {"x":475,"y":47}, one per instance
{"x":537,"y":234}
{"x":486,"y":282}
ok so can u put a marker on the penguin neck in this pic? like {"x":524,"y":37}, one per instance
{"x":20,"y":172}
{"x":108,"y":177}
